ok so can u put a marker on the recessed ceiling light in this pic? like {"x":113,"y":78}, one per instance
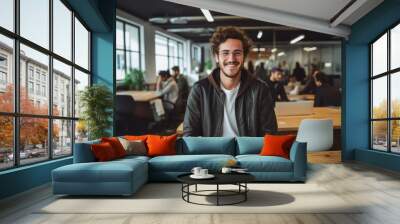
{"x":297,"y":39}
{"x":308,"y":49}
{"x":160,"y":20}
{"x":259,"y":35}
{"x":208,"y":15}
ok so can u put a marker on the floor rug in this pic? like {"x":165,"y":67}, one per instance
{"x":167,"y":198}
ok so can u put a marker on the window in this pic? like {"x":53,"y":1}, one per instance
{"x":7,"y":14}
{"x":81,"y":45}
{"x":385,"y":97}
{"x":3,"y":79}
{"x":30,"y":72}
{"x":45,"y":131}
{"x":169,"y":53}
{"x":128,"y":55}
{"x":30,"y":87}
{"x":196,"y":59}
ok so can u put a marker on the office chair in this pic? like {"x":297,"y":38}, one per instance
{"x":318,"y":133}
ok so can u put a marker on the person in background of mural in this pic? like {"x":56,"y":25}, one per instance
{"x":168,"y":89}
{"x":250,"y":67}
{"x":276,"y":85}
{"x":299,"y":73}
{"x":183,"y":88}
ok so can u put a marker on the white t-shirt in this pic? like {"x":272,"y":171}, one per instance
{"x":229,"y":128}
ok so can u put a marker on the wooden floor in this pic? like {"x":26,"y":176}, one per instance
{"x":379,"y":190}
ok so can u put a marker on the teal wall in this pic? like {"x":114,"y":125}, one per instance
{"x":356,"y":84}
{"x":99,"y":16}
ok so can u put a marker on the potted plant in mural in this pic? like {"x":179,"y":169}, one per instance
{"x":96,"y":104}
{"x":134,"y":79}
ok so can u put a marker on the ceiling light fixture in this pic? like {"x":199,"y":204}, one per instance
{"x":273,"y":50}
{"x":208,"y":15}
{"x":308,"y":49}
{"x":259,"y":35}
{"x":297,"y":39}
{"x":281,"y":53}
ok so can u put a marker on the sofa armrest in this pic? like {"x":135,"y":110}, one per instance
{"x":83,"y":152}
{"x":298,"y":155}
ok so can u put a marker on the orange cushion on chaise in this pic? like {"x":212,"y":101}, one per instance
{"x":277,"y":145}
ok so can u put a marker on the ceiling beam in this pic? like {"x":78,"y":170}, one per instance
{"x":268,"y":15}
{"x":347,"y":11}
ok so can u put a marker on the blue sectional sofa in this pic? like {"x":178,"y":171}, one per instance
{"x":125,"y":176}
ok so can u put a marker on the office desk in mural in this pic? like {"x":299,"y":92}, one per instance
{"x":292,"y":123}
{"x":142,"y":102}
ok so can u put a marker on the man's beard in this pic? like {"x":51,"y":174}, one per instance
{"x":234,"y":75}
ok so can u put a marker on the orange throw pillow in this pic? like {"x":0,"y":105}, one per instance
{"x":116,"y":145}
{"x":277,"y":145}
{"x":136,"y":137}
{"x":161,"y":145}
{"x":103,"y":151}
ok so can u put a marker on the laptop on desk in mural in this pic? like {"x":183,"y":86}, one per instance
{"x":293,"y":108}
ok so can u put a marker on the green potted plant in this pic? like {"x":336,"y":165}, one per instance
{"x":96,"y":104}
{"x":134,"y":79}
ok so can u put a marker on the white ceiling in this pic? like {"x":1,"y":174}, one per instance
{"x":314,"y":15}
{"x":320,"y":9}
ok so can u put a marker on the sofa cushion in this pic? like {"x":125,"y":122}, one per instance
{"x":208,"y":145}
{"x":116,"y":144}
{"x":83,"y":152}
{"x":185,"y":163}
{"x":135,"y":147}
{"x":103,"y":151}
{"x":257,"y":163}
{"x":112,"y":171}
{"x":161,"y":145}
{"x":249,"y":145}
{"x":277,"y":145}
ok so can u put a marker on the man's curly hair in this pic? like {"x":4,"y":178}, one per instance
{"x":230,"y":32}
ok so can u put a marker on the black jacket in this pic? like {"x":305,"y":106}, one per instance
{"x":254,"y":109}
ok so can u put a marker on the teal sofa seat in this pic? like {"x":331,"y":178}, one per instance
{"x":125,"y":176}
{"x":167,"y":168}
{"x":257,"y":163}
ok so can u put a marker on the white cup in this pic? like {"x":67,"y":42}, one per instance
{"x":203,"y":172}
{"x":226,"y":170}
{"x":196,"y":171}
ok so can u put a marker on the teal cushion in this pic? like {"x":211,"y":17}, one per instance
{"x":111,"y":171}
{"x":257,"y":163}
{"x":83,"y":152}
{"x":185,"y":163}
{"x":208,"y":145}
{"x":249,"y":145}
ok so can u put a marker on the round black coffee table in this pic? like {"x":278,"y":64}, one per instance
{"x":238,"y":179}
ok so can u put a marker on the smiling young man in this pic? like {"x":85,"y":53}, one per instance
{"x":230,"y":101}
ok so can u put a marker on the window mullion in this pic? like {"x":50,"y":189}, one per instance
{"x":389,"y":106}
{"x":16,"y":84}
{"x":50,"y":81}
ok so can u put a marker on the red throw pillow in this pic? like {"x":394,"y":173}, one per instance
{"x":277,"y":145}
{"x":103,"y":151}
{"x":161,"y":145}
{"x":116,"y":145}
